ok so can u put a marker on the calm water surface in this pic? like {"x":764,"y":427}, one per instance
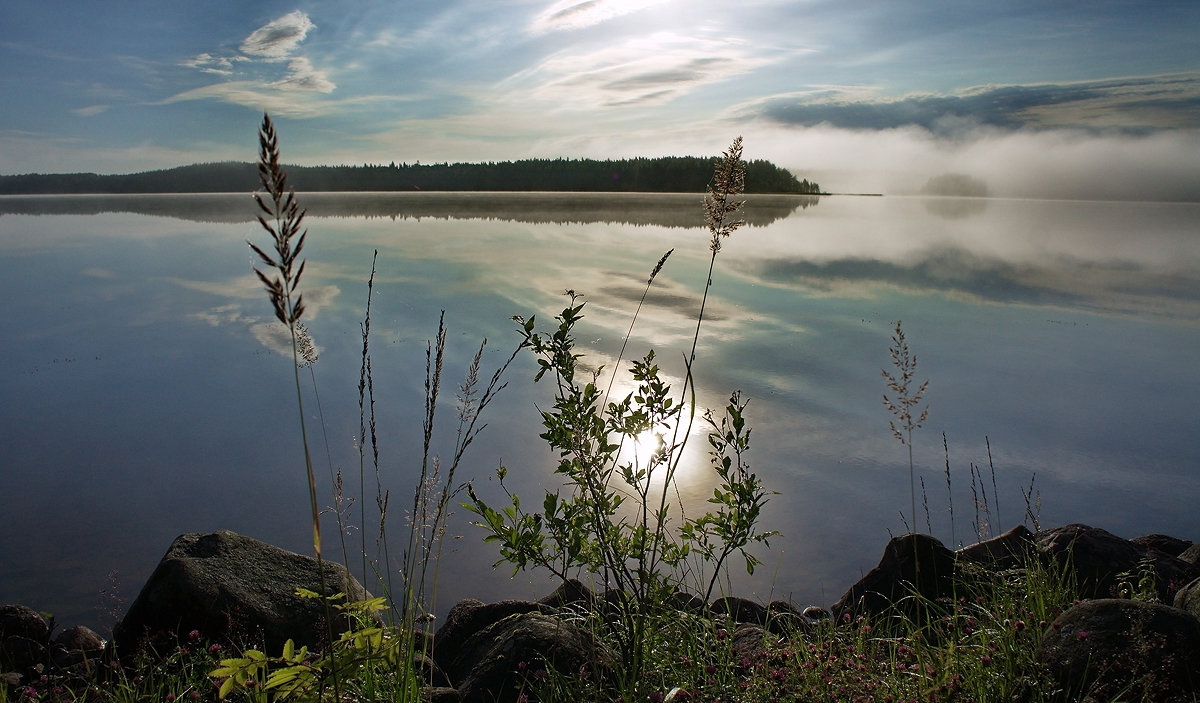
{"x":145,"y":395}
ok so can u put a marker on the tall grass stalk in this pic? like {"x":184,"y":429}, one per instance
{"x":903,"y":402}
{"x":949,"y":492}
{"x":366,"y":409}
{"x":282,"y":219}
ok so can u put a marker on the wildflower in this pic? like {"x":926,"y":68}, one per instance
{"x":194,"y":695}
{"x":1081,"y":635}
{"x":985,"y":660}
{"x":170,"y":698}
{"x":214,"y":648}
{"x":194,"y":635}
{"x":1019,"y":625}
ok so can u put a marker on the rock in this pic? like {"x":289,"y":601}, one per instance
{"x":911,"y":564}
{"x":686,"y":602}
{"x":570,"y":593}
{"x":1191,"y":555}
{"x":77,"y":648}
{"x":1108,"y":649}
{"x":783,"y":618}
{"x":1010,"y":550}
{"x":815,"y":614}
{"x":1188,"y":598}
{"x":749,"y":643}
{"x":1099,"y":559}
{"x":24,"y":638}
{"x":741,"y":610}
{"x":495,"y":661}
{"x":440,"y":694}
{"x":236,"y":591}
{"x":1163,"y":543}
{"x":467,"y":618}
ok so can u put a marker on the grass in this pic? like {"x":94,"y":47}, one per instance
{"x":980,"y":646}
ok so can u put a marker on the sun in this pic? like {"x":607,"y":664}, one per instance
{"x":647,"y":443}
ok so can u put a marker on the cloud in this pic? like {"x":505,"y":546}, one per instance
{"x":302,"y":76}
{"x":273,"y":43}
{"x":577,"y":14}
{"x":91,"y":110}
{"x":650,"y":69}
{"x":1138,"y":104}
{"x":279,"y":38}
{"x":220,"y":65}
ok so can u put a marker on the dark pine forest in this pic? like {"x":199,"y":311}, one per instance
{"x":674,"y":174}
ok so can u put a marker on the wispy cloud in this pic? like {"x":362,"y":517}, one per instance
{"x":576,"y":14}
{"x":220,"y":65}
{"x":641,"y":70}
{"x":278,"y":39}
{"x":90,"y":110}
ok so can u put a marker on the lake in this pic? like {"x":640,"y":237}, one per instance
{"x":145,"y":394}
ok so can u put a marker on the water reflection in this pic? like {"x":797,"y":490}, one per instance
{"x":1124,"y":288}
{"x":145,"y":397}
{"x":956,"y":208}
{"x":659,"y":209}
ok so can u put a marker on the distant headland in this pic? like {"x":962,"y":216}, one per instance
{"x":672,"y":174}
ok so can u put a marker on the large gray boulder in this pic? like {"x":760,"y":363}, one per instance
{"x":496,"y":663}
{"x":1011,"y":550}
{"x":1188,"y":598}
{"x":912,"y":565}
{"x":1112,"y":649}
{"x":467,"y":618}
{"x":24,"y":638}
{"x":1099,"y":558}
{"x":234,"y":590}
{"x":1163,"y":543}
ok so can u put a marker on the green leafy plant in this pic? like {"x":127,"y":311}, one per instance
{"x":1140,"y":584}
{"x":361,"y":654}
{"x":615,"y":519}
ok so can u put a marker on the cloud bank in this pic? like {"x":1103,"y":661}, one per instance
{"x":1139,"y":105}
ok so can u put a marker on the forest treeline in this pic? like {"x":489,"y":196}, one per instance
{"x":672,"y":174}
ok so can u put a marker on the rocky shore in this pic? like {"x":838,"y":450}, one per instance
{"x":235,"y":590}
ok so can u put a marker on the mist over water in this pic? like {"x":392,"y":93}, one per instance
{"x":147,"y":396}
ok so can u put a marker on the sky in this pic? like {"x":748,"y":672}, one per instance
{"x":1090,"y":99}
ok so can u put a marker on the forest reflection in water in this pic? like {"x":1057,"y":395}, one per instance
{"x":659,"y":209}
